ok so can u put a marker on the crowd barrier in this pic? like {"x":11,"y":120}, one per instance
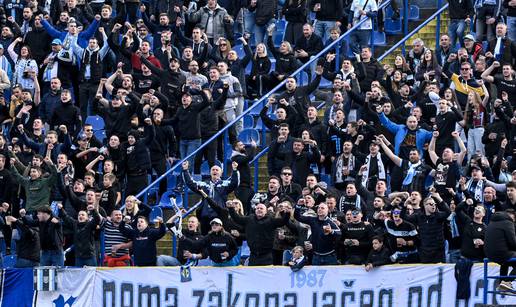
{"x":388,"y":286}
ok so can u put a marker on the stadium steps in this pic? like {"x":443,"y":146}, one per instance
{"x":427,"y":34}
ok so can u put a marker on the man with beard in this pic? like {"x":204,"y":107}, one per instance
{"x":185,"y":250}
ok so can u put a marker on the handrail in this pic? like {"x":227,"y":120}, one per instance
{"x":257,"y":103}
{"x":403,"y":40}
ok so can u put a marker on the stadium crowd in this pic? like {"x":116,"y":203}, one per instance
{"x":406,"y":163}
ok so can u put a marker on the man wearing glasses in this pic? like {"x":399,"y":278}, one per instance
{"x":464,"y":82}
{"x":289,"y":188}
{"x":430,"y":223}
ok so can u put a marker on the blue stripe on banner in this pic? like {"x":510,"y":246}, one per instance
{"x":18,"y":288}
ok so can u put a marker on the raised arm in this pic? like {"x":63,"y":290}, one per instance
{"x":397,"y":160}
{"x":431,"y":148}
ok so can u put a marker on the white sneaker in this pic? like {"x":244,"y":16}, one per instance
{"x":505,"y":286}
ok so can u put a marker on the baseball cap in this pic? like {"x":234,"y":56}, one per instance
{"x":216,"y":221}
{"x":470,"y":37}
{"x":57,"y":41}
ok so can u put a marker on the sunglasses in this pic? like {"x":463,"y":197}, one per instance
{"x":287,"y":174}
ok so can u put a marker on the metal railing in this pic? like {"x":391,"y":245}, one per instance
{"x":259,"y":102}
{"x":423,"y":24}
{"x":496,"y":291}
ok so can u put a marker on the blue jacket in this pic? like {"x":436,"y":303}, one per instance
{"x":400,"y":131}
{"x":82,"y":38}
{"x":218,"y":191}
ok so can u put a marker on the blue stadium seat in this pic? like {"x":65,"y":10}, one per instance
{"x":155,"y":213}
{"x":302,"y":78}
{"x":96,"y":121}
{"x":164,"y":202}
{"x":248,"y":121}
{"x":413,"y":12}
{"x":9,"y":261}
{"x":248,"y":135}
{"x":392,"y":26}
{"x":277,"y":38}
{"x":326,"y":178}
{"x":325,"y":83}
{"x":256,"y":111}
{"x":228,"y":150}
{"x":239,"y":50}
{"x":379,"y":38}
{"x":388,"y":12}
{"x":259,"y":125}
{"x":100,"y":135}
{"x":281,"y":25}
{"x":273,"y":64}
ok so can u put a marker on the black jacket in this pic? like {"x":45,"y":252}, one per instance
{"x":285,"y":63}
{"x":50,"y":234}
{"x":215,"y":244}
{"x":259,"y":232}
{"x":83,"y":233}
{"x":373,"y":71}
{"x":430,"y":227}
{"x":469,"y":231}
{"x":144,"y":243}
{"x":28,"y":247}
{"x":331,"y":10}
{"x":378,"y":258}
{"x":500,"y":242}
{"x":187,"y":120}
{"x":138,"y":159}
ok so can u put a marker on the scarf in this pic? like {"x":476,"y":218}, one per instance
{"x":477,"y":191}
{"x":452,"y":218}
{"x":411,"y":173}
{"x":498,"y":51}
{"x":381,"y":169}
{"x":339,"y":167}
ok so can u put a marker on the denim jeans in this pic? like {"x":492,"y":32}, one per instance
{"x":88,"y":261}
{"x":482,"y":28}
{"x":511,"y":28}
{"x":52,"y":258}
{"x":164,"y":260}
{"x":359,"y":39}
{"x":24,"y":263}
{"x":456,"y":31}
{"x":322,"y":29}
{"x":475,"y":142}
{"x":324,"y":259}
{"x":186,"y":147}
{"x":250,"y":26}
{"x":453,"y":256}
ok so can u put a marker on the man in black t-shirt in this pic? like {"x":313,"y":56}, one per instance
{"x":447,"y":170}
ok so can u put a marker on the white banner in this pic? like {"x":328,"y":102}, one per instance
{"x":388,"y":286}
{"x":75,"y":288}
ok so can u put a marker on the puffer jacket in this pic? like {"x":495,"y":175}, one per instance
{"x":500,"y":238}
{"x":200,"y":18}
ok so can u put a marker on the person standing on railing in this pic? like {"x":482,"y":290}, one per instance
{"x":500,"y":244}
{"x":361,"y":9}
{"x":460,"y":12}
{"x":328,"y":14}
{"x":216,"y":188}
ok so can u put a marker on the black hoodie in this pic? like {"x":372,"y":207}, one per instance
{"x":500,"y":242}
